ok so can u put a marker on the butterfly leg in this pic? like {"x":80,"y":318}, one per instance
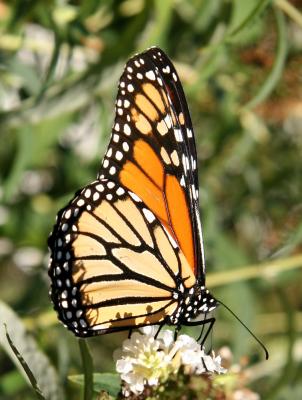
{"x":130,"y":333}
{"x":177,"y":329}
{"x":202,"y":329}
{"x":158,"y":330}
{"x":209,"y":321}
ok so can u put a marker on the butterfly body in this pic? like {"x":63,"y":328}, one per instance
{"x":127,"y":251}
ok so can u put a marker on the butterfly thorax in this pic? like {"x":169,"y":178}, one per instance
{"x":193,"y":302}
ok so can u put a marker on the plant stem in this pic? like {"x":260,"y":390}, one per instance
{"x":290,"y":10}
{"x":266,"y":270}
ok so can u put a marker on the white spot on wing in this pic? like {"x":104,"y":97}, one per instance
{"x":187,"y":163}
{"x":100,"y":188}
{"x":189,"y":133}
{"x":67,"y":214}
{"x":193,"y":191}
{"x":87,"y":193}
{"x":134,"y":196}
{"x":168,"y":121}
{"x":112,"y":170}
{"x":150,"y":75}
{"x":127,"y":129}
{"x":125,"y":146}
{"x":178,"y":135}
{"x":118,"y":155}
{"x":96,"y":196}
{"x":193,"y":162}
{"x":182,"y":181}
{"x":149,"y":215}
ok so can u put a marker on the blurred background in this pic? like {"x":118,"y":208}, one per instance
{"x":241,"y":67}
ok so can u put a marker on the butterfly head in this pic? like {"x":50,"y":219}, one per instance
{"x":204,"y":300}
{"x":194,"y":301}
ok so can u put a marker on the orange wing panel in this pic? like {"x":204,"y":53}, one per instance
{"x":136,"y":181}
{"x":149,"y":162}
{"x":180,"y":217}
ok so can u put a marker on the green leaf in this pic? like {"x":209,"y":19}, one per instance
{"x":158,"y":33}
{"x":277,"y":70}
{"x":88,"y":369}
{"x":111,"y":383}
{"x":206,"y":13}
{"x":23,"y":344}
{"x":11,"y":383}
{"x":243,"y":13}
{"x":54,"y":57}
{"x":25,"y":367}
{"x":21,"y":161}
{"x":28,"y":75}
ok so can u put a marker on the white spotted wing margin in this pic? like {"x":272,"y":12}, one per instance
{"x":151,"y":105}
{"x":113,"y":265}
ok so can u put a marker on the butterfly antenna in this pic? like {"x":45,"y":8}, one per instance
{"x":243,"y":324}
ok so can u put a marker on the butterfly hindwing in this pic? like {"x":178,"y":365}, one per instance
{"x":114,"y":266}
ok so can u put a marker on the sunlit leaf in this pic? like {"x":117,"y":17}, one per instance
{"x":26,"y":369}
{"x":37,"y":362}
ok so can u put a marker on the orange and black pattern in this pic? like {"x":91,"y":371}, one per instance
{"x":127,"y":250}
{"x":152,"y":149}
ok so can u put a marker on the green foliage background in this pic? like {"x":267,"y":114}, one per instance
{"x":240,"y":64}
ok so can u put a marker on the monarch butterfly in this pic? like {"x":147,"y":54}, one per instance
{"x":127,"y":250}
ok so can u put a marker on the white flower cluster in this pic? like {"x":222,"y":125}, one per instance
{"x":145,"y":360}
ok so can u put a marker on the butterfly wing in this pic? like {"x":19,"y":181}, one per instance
{"x":152,"y":150}
{"x":114,"y":266}
{"x":128,"y":245}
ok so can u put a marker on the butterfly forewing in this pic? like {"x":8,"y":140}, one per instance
{"x":152,"y":150}
{"x":114,"y":266}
